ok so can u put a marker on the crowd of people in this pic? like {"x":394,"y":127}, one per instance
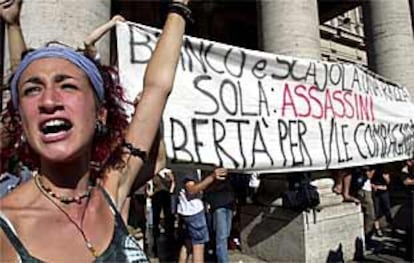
{"x":77,"y":167}
{"x":370,"y":187}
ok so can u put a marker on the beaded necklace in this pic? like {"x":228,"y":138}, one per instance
{"x":52,"y":198}
{"x":62,"y":198}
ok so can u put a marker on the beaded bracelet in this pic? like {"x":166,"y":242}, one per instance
{"x":137,"y":152}
{"x":181,"y":9}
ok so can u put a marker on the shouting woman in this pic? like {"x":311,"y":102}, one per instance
{"x":70,"y":117}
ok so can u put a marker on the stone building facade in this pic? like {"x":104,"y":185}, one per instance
{"x":342,"y":38}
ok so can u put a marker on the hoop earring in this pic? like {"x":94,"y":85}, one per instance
{"x":101,"y":129}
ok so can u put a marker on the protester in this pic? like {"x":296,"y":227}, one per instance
{"x":98,"y":33}
{"x":163,"y":185}
{"x":220,"y":199}
{"x":191,"y":211}
{"x":70,"y":117}
{"x":364,"y":194}
{"x":10,"y":14}
{"x":380,"y":181}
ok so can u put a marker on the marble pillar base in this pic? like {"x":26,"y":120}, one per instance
{"x":275,"y":234}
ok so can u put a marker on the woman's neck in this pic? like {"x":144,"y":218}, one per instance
{"x":72,"y":176}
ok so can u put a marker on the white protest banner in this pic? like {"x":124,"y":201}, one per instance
{"x":252,"y":110}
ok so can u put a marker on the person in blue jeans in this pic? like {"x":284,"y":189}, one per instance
{"x":220,"y":199}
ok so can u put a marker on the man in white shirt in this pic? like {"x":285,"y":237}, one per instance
{"x":191,"y":210}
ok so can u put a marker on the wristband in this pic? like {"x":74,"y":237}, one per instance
{"x":181,"y":9}
{"x":134,"y":151}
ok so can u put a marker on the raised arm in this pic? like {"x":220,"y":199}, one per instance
{"x":98,"y":33}
{"x":158,"y":82}
{"x":156,"y":161}
{"x":196,"y":187}
{"x":10,"y":14}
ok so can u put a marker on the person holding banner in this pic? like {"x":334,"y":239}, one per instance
{"x":190,"y":208}
{"x":10,"y":14}
{"x":98,"y":33}
{"x":69,"y":111}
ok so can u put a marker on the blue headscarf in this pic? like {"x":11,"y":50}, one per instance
{"x":72,"y":56}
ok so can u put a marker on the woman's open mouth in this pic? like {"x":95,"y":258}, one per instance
{"x":55,"y":128}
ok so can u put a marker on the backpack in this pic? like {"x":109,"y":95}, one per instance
{"x":302,"y":196}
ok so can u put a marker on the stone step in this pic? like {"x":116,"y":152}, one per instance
{"x":328,"y":212}
{"x":330,"y":199}
{"x":323,"y":183}
{"x":325,"y":191}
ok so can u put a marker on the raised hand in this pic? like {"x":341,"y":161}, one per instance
{"x":117,"y":18}
{"x":220,"y":173}
{"x":10,"y":11}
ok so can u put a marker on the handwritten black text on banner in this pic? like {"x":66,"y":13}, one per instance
{"x":246,"y":109}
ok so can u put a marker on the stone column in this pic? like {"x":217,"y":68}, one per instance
{"x":291,"y":27}
{"x":390,"y":42}
{"x":67,"y":21}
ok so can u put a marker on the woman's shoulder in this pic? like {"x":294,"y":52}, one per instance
{"x":16,"y":211}
{"x":7,"y":251}
{"x":12,"y":213}
{"x":21,"y":199}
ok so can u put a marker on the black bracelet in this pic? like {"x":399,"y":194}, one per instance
{"x":137,"y":152}
{"x":181,"y":9}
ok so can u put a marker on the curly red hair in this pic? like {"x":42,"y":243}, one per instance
{"x":103,"y":146}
